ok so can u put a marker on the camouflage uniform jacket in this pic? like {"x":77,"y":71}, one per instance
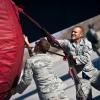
{"x":82,"y":54}
{"x":49,"y":86}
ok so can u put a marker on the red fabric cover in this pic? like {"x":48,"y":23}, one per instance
{"x":11,"y":45}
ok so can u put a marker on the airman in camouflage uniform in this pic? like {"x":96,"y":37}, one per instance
{"x":39,"y":67}
{"x":80,"y":49}
{"x":93,"y":38}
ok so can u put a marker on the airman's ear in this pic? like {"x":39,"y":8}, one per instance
{"x":82,"y":34}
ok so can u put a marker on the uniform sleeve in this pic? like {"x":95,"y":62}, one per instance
{"x":63,"y":43}
{"x":86,"y":56}
{"x":26,"y":77}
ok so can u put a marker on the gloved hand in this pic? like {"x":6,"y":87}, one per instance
{"x":13,"y":91}
{"x":71,"y":59}
{"x":30,"y":51}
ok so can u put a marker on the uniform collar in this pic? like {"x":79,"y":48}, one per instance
{"x":80,"y":44}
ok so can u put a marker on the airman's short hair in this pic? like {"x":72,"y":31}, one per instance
{"x":44,"y":45}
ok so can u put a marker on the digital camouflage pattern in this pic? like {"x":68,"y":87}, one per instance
{"x":82,"y":54}
{"x":49,"y":86}
{"x":87,"y":73}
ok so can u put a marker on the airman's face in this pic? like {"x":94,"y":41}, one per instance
{"x":76,"y":33}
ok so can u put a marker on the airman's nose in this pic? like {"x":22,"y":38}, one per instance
{"x":73,"y":33}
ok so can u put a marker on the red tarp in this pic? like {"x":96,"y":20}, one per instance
{"x":11,"y":45}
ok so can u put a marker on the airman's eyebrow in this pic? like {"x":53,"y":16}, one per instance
{"x":74,"y":31}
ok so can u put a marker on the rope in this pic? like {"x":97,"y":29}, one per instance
{"x":43,"y":29}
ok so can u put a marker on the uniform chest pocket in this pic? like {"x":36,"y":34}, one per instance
{"x":72,"y":51}
{"x":79,"y":51}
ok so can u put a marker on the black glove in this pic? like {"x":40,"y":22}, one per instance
{"x":30,"y":51}
{"x":71,"y":59}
